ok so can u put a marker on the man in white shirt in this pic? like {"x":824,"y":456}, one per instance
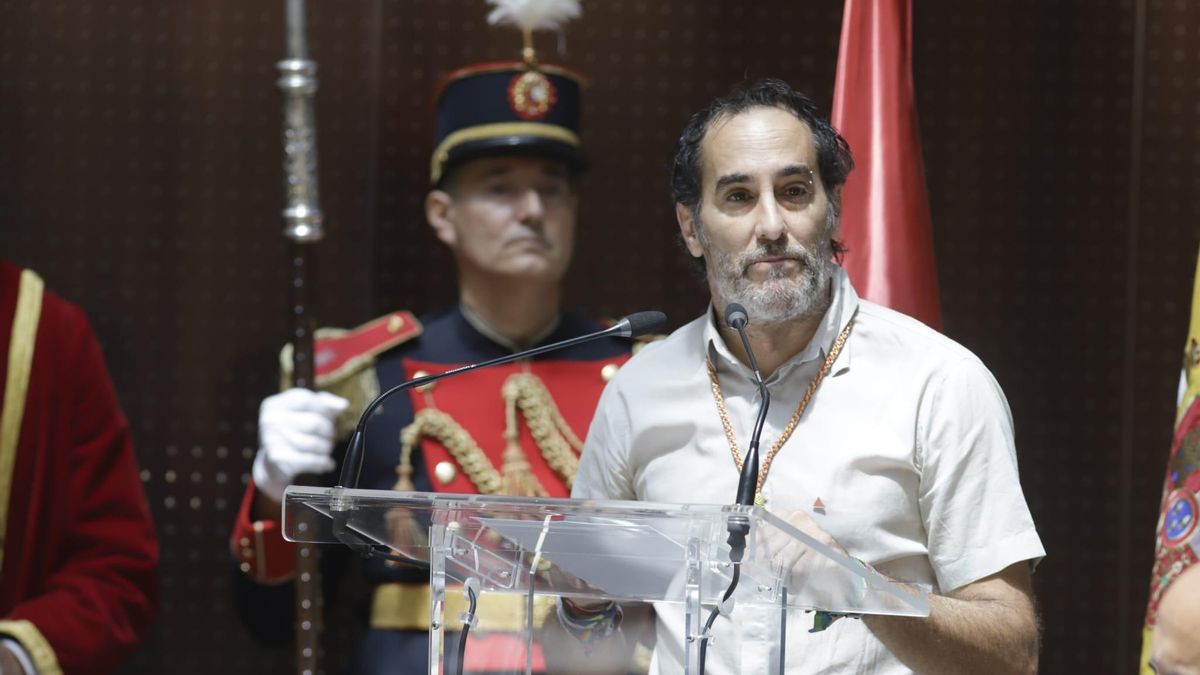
{"x":888,"y":440}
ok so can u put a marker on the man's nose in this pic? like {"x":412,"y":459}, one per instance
{"x":532,"y":209}
{"x":769,"y":224}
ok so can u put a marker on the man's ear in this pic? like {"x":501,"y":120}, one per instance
{"x":836,"y":199}
{"x":438,"y":208}
{"x":687,"y":228}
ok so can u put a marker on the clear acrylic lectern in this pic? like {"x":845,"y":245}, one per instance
{"x":532,"y":550}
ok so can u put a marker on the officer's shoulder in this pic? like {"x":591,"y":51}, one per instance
{"x":344,"y":360}
{"x":339,"y":353}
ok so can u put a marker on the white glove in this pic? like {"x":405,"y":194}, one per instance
{"x":295,"y":432}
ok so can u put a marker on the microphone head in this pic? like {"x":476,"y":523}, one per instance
{"x":736,"y":316}
{"x":640,"y":323}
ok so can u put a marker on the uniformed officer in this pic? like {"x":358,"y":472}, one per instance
{"x":504,"y":173}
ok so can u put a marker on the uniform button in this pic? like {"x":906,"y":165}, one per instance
{"x":420,"y":374}
{"x":248,"y":553}
{"x":244,"y":542}
{"x":245,"y":567}
{"x":609,"y":371}
{"x":445,"y":472}
{"x":395,"y":324}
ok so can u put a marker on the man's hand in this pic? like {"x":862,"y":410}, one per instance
{"x":780,"y":544}
{"x":795,"y":559}
{"x":296,"y":434}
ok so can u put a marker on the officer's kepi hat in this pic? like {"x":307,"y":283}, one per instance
{"x":507,"y":108}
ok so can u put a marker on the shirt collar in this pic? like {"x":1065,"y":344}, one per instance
{"x":495,"y":336}
{"x":841,"y":309}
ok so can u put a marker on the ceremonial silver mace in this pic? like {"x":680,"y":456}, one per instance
{"x":303,"y":220}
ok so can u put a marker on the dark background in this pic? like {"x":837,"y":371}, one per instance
{"x":140,"y":174}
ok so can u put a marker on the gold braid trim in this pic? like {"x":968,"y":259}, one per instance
{"x":404,"y":469}
{"x":403,"y":531}
{"x":516,"y":473}
{"x":16,"y":387}
{"x":558,"y":443}
{"x":554,"y":437}
{"x":442,"y":428}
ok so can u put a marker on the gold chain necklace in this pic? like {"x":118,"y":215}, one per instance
{"x":791,"y":425}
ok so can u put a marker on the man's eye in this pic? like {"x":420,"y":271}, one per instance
{"x":552,"y":191}
{"x":737,"y":196}
{"x":501,"y":189}
{"x":797,"y":191}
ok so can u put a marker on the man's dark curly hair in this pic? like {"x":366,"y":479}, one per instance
{"x":834,"y":161}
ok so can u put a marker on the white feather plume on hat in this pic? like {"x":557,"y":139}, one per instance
{"x":529,"y":15}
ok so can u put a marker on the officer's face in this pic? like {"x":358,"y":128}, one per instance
{"x":509,"y":217}
{"x":764,"y":222}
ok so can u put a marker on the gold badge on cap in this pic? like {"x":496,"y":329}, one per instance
{"x":531,"y":95}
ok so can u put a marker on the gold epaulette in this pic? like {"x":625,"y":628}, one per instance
{"x":344,"y":360}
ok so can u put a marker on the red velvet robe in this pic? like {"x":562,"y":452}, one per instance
{"x":80,"y":552}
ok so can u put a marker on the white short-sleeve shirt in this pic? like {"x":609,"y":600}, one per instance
{"x":907,"y":443}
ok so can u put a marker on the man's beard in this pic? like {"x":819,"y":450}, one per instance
{"x":779,"y":297}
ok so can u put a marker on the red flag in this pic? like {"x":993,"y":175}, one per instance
{"x":885,"y":210}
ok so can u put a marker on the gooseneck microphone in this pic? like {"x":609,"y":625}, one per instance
{"x":634,"y":325}
{"x":736,"y":318}
{"x":738,"y":524}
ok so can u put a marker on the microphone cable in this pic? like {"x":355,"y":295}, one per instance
{"x":712,"y":617}
{"x":469,"y":588}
